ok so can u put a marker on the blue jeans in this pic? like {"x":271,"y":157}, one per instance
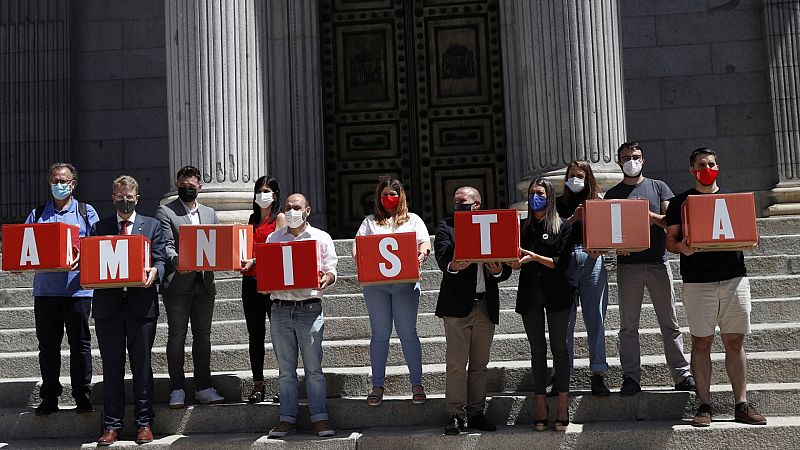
{"x":292,"y":326}
{"x":398,"y":303}
{"x":590,"y":277}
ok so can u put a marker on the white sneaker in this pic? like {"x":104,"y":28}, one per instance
{"x":177,"y":399}
{"x":209,"y":395}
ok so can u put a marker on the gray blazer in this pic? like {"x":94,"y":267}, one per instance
{"x":173,"y":215}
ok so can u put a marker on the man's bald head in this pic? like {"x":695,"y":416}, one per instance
{"x":467,"y":195}
{"x":297,"y":199}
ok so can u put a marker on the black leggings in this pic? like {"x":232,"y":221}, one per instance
{"x":256,"y":311}
{"x":557,"y":322}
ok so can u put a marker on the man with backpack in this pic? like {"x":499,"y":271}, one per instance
{"x":59,"y":301}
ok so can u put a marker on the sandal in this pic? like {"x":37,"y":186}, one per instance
{"x":541,"y":424}
{"x":561,"y":425}
{"x":418,"y":396}
{"x":374,"y":399}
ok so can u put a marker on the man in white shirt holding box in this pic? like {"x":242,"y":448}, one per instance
{"x":297,"y":321}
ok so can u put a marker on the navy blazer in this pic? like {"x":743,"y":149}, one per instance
{"x":140,"y":303}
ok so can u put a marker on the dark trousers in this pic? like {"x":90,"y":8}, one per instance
{"x":257,"y":308}
{"x":557,"y":324}
{"x":113,"y":337}
{"x":197,"y":307}
{"x":53,"y":315}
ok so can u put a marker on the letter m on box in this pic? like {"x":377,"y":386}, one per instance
{"x":491,"y":235}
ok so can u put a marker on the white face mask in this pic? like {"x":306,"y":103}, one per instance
{"x":265,"y":199}
{"x":295,"y":218}
{"x":632,"y":168}
{"x":575,"y":184}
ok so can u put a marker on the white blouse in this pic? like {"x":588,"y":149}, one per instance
{"x":414,"y":225}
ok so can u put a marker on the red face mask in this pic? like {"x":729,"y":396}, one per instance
{"x":390,"y":203}
{"x":706,"y":176}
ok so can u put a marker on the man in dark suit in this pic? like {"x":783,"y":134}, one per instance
{"x":126,"y":317}
{"x":187,"y":295}
{"x":469,"y":303}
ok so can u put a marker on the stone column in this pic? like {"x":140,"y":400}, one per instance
{"x":782,"y":35}
{"x":563,"y":87}
{"x":243,"y":86}
{"x":215,"y":100}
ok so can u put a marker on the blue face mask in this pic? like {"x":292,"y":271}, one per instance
{"x":537,"y":203}
{"x":61,"y":190}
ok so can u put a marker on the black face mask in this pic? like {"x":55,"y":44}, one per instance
{"x":125,"y":206}
{"x":187,"y":195}
{"x":462,"y":207}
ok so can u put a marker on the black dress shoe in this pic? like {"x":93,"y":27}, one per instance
{"x":455,"y":425}
{"x":47,"y":407}
{"x":83,"y":407}
{"x":480,"y":422}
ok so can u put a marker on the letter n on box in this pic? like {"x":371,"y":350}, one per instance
{"x":387,"y":258}
{"x":114,"y":261}
{"x":39,"y":247}
{"x":616,"y":225}
{"x":286,"y":266}
{"x":720,"y":221}
{"x":491,"y":235}
{"x":214,"y":247}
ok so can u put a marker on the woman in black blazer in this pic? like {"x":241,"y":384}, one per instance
{"x":545,"y":292}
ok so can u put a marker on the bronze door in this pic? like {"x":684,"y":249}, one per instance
{"x":413,"y":89}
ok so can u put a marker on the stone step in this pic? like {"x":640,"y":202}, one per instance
{"x":355,"y":414}
{"x":780,"y":432}
{"x":503,"y":376}
{"x":234,"y":331}
{"x":355,"y":352}
{"x":762,"y":286}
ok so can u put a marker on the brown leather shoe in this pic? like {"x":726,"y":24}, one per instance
{"x":746,"y":413}
{"x":145,"y":435}
{"x":108,"y":437}
{"x":703,"y":416}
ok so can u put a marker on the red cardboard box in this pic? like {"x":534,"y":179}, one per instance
{"x":484,"y":236}
{"x":39,"y":247}
{"x":720,"y":221}
{"x":387,"y":258}
{"x":616,"y":225}
{"x":286,"y":266}
{"x":214,"y":247}
{"x":114,"y":261}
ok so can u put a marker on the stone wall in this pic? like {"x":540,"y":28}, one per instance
{"x":120,"y":100}
{"x":696,"y":75}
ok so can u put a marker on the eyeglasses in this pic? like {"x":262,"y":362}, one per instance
{"x":54,"y":182}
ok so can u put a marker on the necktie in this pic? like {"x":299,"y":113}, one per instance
{"x":123,"y":227}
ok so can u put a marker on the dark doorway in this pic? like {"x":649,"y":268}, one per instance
{"x":413,"y":89}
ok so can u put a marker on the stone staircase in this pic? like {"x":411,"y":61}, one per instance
{"x":655,"y":418}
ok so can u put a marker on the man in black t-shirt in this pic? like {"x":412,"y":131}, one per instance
{"x":716,"y":292}
{"x":647,"y":268}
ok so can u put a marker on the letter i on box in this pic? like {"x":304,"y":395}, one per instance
{"x":286,"y":266}
{"x":387,"y":258}
{"x":39,"y":247}
{"x":616,"y":225}
{"x":114,"y":261}
{"x":720,"y":221}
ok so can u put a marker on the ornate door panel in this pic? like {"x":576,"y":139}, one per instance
{"x":413,"y":89}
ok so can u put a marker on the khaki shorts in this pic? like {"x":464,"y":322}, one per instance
{"x":724,"y":303}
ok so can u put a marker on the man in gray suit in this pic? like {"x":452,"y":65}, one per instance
{"x":187,"y":295}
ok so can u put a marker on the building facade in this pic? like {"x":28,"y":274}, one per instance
{"x":329,"y":95}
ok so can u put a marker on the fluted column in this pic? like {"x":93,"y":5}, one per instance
{"x":35,"y":119}
{"x":563,"y":87}
{"x":215,"y":99}
{"x":782,"y":35}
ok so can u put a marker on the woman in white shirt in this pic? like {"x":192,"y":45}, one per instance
{"x":394,"y":303}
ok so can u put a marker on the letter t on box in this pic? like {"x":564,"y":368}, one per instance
{"x":287,"y":266}
{"x":491,"y":235}
{"x":387,"y":258}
